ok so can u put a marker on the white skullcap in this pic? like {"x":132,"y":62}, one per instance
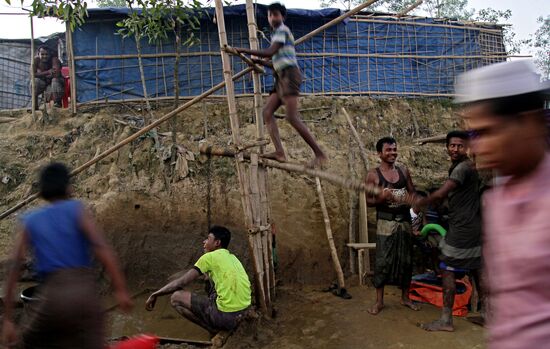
{"x":498,"y":80}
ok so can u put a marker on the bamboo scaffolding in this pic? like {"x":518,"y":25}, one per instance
{"x":180,"y":109}
{"x":245,"y":180}
{"x":261,"y":173}
{"x":330,"y":238}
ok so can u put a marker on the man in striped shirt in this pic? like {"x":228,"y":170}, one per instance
{"x":286,"y":90}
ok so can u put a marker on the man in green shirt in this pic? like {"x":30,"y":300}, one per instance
{"x":228,"y":298}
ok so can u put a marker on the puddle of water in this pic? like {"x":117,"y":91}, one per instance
{"x":163,"y":321}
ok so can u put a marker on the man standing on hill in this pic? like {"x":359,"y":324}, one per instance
{"x":393,"y":225}
{"x":230,"y":295}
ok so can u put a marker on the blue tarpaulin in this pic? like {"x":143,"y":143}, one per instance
{"x":376,"y":55}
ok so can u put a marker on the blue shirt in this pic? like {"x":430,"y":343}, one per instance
{"x":56,"y":238}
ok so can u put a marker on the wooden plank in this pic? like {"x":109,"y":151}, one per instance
{"x":362,"y":245}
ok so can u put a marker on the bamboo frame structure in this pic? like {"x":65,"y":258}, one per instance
{"x":248,"y":182}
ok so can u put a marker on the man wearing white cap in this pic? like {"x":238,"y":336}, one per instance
{"x":503,"y":108}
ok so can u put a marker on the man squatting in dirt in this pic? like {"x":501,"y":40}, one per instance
{"x":229,"y":293}
{"x":286,"y":90}
{"x":393,"y":227}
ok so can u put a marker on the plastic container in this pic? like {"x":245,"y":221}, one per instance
{"x":142,"y":341}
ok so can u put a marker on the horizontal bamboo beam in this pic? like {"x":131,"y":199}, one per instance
{"x":433,"y":139}
{"x":349,"y":183}
{"x":401,"y":22}
{"x":383,"y":55}
{"x":146,"y":55}
{"x":129,"y":139}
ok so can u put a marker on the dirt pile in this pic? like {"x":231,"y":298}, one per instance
{"x":157,"y":219}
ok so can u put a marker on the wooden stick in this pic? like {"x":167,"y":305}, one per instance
{"x":129,"y":139}
{"x":410,"y":8}
{"x":33,"y":85}
{"x":335,"y":21}
{"x":333,"y":252}
{"x":72,"y":68}
{"x":350,"y":183}
{"x":246,"y":59}
{"x":439,"y":138}
{"x":362,"y":150}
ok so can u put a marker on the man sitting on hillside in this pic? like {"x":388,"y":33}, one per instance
{"x":47,"y":77}
{"x":229,"y":296}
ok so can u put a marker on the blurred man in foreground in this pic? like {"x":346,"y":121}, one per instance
{"x":503,"y":110}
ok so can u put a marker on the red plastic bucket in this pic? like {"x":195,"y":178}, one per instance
{"x":142,"y":341}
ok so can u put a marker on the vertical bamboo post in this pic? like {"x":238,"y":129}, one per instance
{"x":333,"y":252}
{"x":241,"y":173}
{"x":72,"y":67}
{"x":265,"y":217}
{"x":33,"y":85}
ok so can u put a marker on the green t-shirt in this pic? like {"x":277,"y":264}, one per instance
{"x":230,"y":279}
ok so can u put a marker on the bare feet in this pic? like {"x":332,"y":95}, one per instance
{"x":438,"y":325}
{"x":275,"y":156}
{"x":410,"y":304}
{"x":319,"y":161}
{"x":376,"y":308}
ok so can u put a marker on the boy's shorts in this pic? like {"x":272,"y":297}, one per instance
{"x":287,"y":82}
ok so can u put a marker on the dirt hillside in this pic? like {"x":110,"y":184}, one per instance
{"x":157,"y":218}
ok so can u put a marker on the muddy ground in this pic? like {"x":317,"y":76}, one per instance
{"x":156,"y":217}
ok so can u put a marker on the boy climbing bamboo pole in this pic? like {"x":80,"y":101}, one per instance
{"x":286,"y":90}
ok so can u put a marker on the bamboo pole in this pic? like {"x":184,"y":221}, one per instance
{"x":333,"y":252}
{"x":264,"y":214}
{"x":352,"y":210}
{"x":147,"y":55}
{"x":410,"y":8}
{"x":465,"y":27}
{"x":129,"y":139}
{"x":349,"y":183}
{"x":33,"y":85}
{"x":335,"y":21}
{"x":362,"y":150}
{"x":72,"y":68}
{"x":241,"y":173}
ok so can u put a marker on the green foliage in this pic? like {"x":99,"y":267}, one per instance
{"x":111,"y":3}
{"x":73,"y":12}
{"x":540,"y":42}
{"x":159,"y":18}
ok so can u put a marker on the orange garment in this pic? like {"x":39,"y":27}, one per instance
{"x":433,"y":294}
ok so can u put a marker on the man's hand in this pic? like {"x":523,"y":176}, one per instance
{"x":150,"y":302}
{"x":124,"y":301}
{"x":386,"y":195}
{"x":9,"y":333}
